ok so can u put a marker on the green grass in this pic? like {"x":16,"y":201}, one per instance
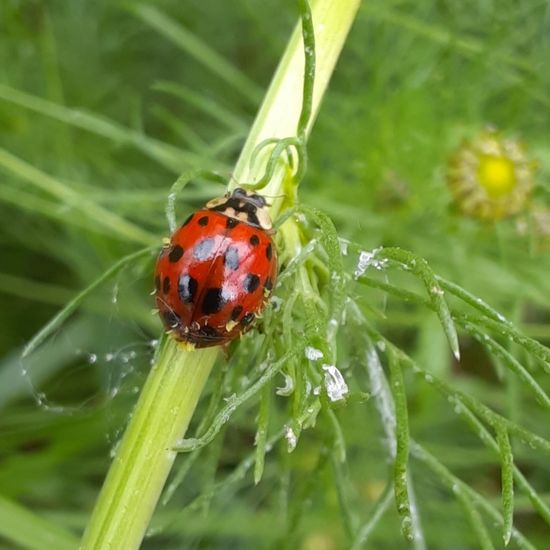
{"x":104,"y":105}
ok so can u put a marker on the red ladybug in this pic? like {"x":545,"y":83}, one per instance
{"x":218,"y":270}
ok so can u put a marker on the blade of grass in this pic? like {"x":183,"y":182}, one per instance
{"x":189,"y":137}
{"x":28,"y":530}
{"x":167,"y":155}
{"x":32,"y":203}
{"x":73,"y":199}
{"x":197,"y":48}
{"x":34,"y":290}
{"x":208,"y":106}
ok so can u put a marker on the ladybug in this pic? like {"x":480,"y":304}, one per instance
{"x":218,"y":270}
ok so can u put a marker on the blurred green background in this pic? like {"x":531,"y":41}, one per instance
{"x":103,"y":104}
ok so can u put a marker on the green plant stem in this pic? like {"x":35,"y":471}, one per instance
{"x":145,"y":456}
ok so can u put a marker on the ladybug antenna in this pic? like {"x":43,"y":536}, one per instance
{"x":281,"y":196}
{"x":272,"y":197}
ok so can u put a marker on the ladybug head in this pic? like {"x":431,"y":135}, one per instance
{"x":245,"y":206}
{"x":257,"y":200}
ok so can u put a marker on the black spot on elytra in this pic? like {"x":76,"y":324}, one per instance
{"x":269,"y":251}
{"x":203,"y":221}
{"x":157,"y":283}
{"x":171,"y":319}
{"x":202,"y":250}
{"x":187,"y":220}
{"x":176,"y":253}
{"x":247,"y":319}
{"x":187,"y":288}
{"x":212,"y":301}
{"x":254,"y":240}
{"x":268,"y":285}
{"x":251,"y":282}
{"x":166,"y":285}
{"x":231,"y":258}
{"x":231,"y":223}
{"x":237,"y":310}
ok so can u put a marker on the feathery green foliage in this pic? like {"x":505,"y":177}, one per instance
{"x":346,"y":413}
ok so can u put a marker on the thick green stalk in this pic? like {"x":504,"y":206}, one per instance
{"x":168,"y":399}
{"x":145,"y":455}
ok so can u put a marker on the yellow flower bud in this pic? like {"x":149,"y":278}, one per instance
{"x":490,"y":177}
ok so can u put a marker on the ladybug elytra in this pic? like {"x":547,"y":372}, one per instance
{"x":218,"y":270}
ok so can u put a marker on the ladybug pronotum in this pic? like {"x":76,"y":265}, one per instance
{"x":218,"y":270}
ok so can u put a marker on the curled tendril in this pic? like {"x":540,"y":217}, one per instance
{"x":295,"y":150}
{"x":179,"y":185}
{"x":296,"y":145}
